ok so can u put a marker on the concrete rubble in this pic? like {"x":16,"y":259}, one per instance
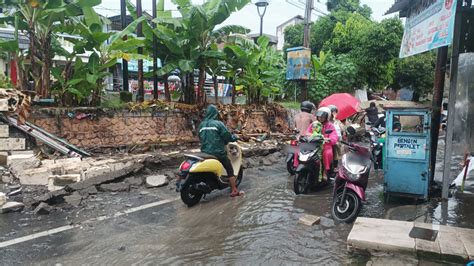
{"x":71,"y":180}
{"x":156,"y":181}
{"x":12,"y":207}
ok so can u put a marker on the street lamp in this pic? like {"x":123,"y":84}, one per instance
{"x":261,"y":8}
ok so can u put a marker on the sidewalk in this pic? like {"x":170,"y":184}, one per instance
{"x":449,"y":243}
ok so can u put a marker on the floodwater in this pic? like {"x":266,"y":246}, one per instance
{"x":259,"y":228}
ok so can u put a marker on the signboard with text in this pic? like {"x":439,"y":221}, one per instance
{"x":407,"y":147}
{"x":299,"y":64}
{"x":429,"y":25}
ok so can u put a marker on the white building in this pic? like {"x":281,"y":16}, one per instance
{"x":280,"y":32}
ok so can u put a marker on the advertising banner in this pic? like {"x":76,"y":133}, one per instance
{"x":429,"y":25}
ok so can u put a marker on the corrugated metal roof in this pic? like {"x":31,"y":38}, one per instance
{"x":400,"y":5}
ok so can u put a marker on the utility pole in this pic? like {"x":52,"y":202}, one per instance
{"x":307,"y":22}
{"x":155,"y":56}
{"x":123,"y":20}
{"x":453,"y":74}
{"x":306,"y":42}
{"x":436,"y":104}
{"x":141,"y":89}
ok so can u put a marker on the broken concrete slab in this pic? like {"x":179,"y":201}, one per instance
{"x":12,"y":207}
{"x":134,"y":180}
{"x":35,"y":176}
{"x":3,"y":199}
{"x":309,"y":220}
{"x":12,"y":144}
{"x":56,"y":182}
{"x":4,"y":131}
{"x":20,"y":162}
{"x":156,"y":181}
{"x":43,"y":209}
{"x":74,"y":199}
{"x":3,"y":158}
{"x":115,"y":187}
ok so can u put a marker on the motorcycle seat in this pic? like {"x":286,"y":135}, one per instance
{"x":200,"y":156}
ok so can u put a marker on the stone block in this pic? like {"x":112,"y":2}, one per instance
{"x":12,"y":207}
{"x":11,"y":144}
{"x":115,"y":187}
{"x":467,"y":238}
{"x":451,"y":246}
{"x":37,"y":176}
{"x":3,"y":199}
{"x":156,"y":181}
{"x":4,"y":105}
{"x":381,"y":235}
{"x":310,"y":220}
{"x":56,"y":182}
{"x":4,"y":131}
{"x":95,"y":171}
{"x":43,"y":209}
{"x":3,"y":158}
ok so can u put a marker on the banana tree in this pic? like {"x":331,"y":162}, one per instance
{"x":260,"y":65}
{"x":191,"y":37}
{"x":39,"y":19}
{"x":105,"y":49}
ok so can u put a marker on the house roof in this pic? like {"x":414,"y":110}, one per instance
{"x":400,"y":5}
{"x":298,"y":17}
{"x":273,"y":39}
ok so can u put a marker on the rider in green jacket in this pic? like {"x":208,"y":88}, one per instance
{"x":214,"y":137}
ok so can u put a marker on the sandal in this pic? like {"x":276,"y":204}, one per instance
{"x":236,"y":194}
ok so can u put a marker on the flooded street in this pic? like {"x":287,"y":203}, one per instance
{"x":260,"y":228}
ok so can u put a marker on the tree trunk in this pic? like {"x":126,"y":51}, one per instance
{"x":167,"y":88}
{"x":45,"y":69}
{"x":202,"y":80}
{"x":232,"y":82}
{"x":216,"y":89}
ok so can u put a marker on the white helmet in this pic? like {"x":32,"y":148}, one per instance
{"x":324,"y":112}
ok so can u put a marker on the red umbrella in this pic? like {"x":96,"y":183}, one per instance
{"x":345,"y":103}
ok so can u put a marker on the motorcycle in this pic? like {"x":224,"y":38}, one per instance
{"x":377,"y":141}
{"x":292,"y":155}
{"x":350,"y":183}
{"x":202,"y":173}
{"x":309,"y":165}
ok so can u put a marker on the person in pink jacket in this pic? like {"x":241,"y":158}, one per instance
{"x":330,"y":139}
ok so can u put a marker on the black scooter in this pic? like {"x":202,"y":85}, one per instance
{"x":309,"y":165}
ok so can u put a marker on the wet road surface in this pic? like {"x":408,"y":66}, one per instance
{"x":258,"y":228}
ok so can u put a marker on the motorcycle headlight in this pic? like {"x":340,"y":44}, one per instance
{"x":353,"y":177}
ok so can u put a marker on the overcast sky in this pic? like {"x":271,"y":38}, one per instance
{"x":278,"y":12}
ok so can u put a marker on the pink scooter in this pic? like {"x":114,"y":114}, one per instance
{"x":350,"y":183}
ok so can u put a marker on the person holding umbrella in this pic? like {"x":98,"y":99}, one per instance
{"x":330,"y":138}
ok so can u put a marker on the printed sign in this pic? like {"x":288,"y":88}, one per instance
{"x":430,"y":24}
{"x":299,"y":64}
{"x":407,"y":147}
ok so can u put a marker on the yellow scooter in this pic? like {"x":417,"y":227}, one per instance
{"x":202,"y":173}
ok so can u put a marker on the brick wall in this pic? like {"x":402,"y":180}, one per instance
{"x":122,"y":128}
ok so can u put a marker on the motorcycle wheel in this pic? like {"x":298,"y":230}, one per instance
{"x":290,"y":167}
{"x":349,"y":210}
{"x":301,"y":183}
{"x":190,"y":196}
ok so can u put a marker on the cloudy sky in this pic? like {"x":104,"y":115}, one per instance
{"x":278,"y":12}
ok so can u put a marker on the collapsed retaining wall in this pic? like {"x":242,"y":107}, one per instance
{"x":95,"y":128}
